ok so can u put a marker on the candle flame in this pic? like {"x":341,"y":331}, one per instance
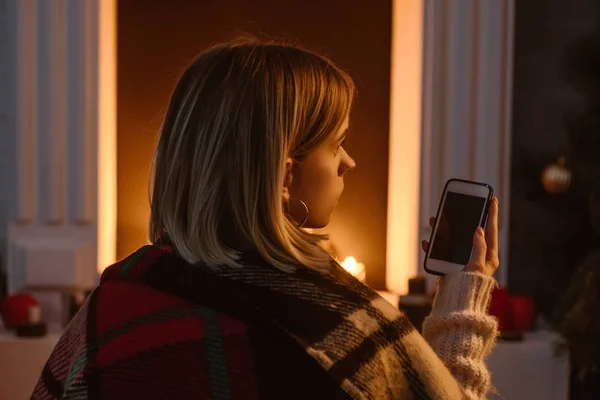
{"x":355,"y":268}
{"x":349,"y":264}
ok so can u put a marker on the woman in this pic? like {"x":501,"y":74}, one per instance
{"x":234,"y":298}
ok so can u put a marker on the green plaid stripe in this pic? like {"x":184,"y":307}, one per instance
{"x":219,"y":380}
{"x":162,"y":315}
{"x":131,"y":260}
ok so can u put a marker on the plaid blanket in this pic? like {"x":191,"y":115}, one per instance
{"x":158,"y":327}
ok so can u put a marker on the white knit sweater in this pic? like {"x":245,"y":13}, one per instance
{"x":461,"y":332}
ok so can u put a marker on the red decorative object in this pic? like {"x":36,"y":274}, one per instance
{"x":522,"y":313}
{"x":15,"y":309}
{"x":499,"y":308}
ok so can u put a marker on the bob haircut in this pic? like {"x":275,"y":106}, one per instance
{"x":238,"y":112}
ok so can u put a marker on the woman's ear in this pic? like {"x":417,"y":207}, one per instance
{"x":287,"y":179}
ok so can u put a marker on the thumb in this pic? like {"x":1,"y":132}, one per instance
{"x":477,"y":263}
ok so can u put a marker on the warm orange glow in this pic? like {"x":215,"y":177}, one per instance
{"x":405,"y":144}
{"x":107,"y":132}
{"x":356,"y":269}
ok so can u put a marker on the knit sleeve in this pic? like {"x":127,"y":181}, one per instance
{"x":461,"y":332}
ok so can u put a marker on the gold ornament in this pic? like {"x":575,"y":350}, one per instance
{"x":556,"y":178}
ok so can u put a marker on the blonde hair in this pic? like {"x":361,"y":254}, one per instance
{"x":238,"y":112}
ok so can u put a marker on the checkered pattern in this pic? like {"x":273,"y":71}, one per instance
{"x":158,"y":327}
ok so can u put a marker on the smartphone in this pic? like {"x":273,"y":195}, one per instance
{"x":463,"y":207}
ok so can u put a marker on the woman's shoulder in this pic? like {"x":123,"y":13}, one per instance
{"x":130,"y":308}
{"x":127,"y":328}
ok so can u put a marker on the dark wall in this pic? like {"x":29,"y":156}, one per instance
{"x":157,"y":38}
{"x":549,"y":234}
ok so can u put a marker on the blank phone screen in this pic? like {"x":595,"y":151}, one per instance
{"x":458,"y":221}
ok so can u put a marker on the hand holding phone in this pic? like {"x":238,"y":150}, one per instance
{"x":458,"y":240}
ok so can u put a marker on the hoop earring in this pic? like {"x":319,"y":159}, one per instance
{"x":301,"y":224}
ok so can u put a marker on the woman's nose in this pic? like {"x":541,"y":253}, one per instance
{"x":348,"y":163}
{"x":351,"y":164}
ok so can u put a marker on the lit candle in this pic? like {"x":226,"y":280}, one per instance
{"x":355,"y":268}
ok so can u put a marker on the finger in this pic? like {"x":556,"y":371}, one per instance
{"x":478,"y":257}
{"x":425,"y":245}
{"x":431,"y":222}
{"x":491,"y":234}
